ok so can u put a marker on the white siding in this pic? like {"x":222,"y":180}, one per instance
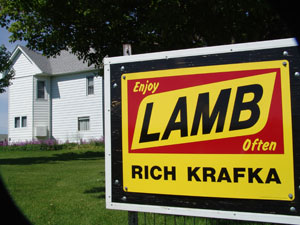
{"x":70,"y":101}
{"x":24,"y":67}
{"x":20,"y":98}
{"x":20,"y":104}
{"x":41,"y":106}
{"x":65,"y":101}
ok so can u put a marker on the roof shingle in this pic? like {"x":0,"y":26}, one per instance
{"x":64,"y":63}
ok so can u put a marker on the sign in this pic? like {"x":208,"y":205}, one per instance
{"x":205,"y":129}
{"x":223,"y":129}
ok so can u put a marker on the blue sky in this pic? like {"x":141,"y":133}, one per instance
{"x":4,"y":39}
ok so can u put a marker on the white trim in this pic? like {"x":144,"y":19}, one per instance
{"x":68,"y":73}
{"x":219,"y":214}
{"x":16,"y":78}
{"x":8,"y":114}
{"x":50,"y":109}
{"x":247,"y":216}
{"x":91,"y":70}
{"x":288,"y":42}
{"x":107,"y":132}
{"x":32,"y":108}
{"x":15,"y":53}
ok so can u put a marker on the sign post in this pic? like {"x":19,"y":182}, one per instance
{"x":205,"y":130}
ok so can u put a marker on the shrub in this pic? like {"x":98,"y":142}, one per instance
{"x":51,"y":144}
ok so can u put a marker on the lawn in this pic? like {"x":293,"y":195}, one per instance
{"x":67,"y":187}
{"x":59,"y":187}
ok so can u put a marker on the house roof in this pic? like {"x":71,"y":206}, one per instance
{"x":64,"y":63}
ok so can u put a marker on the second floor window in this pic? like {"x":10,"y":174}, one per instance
{"x":40,"y":89}
{"x":90,"y":85}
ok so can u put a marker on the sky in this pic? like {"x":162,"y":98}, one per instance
{"x":4,"y":39}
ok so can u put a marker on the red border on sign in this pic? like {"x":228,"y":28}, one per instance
{"x":273,"y":130}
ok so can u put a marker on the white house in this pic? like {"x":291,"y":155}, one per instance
{"x":60,"y":98}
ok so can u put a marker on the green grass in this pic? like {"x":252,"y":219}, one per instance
{"x":59,"y":187}
{"x":67,"y":187}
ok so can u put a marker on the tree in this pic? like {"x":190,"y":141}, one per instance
{"x":5,"y":69}
{"x":93,"y":29}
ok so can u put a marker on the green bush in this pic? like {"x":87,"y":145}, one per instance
{"x":50,"y":145}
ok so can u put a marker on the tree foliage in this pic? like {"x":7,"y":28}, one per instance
{"x":95,"y":28}
{"x":5,"y":69}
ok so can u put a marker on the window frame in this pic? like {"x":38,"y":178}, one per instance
{"x":22,"y":121}
{"x":38,"y":90}
{"x":88,"y":86}
{"x":83,"y":118}
{"x":17,"y":122}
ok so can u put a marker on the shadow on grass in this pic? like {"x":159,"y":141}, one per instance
{"x":97,"y":190}
{"x":89,"y":155}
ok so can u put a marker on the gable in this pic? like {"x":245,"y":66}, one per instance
{"x":27,"y":62}
{"x":23,"y":66}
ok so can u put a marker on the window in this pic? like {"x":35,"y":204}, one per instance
{"x":24,"y":121}
{"x":20,"y":121}
{"x":41,"y":89}
{"x":83,"y":123}
{"x":17,"y":122}
{"x":90,"y":85}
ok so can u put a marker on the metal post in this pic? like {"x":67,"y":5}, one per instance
{"x":133,"y":218}
{"x":127,"y":49}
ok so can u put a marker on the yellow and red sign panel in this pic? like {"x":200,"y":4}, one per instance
{"x":212,"y":131}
